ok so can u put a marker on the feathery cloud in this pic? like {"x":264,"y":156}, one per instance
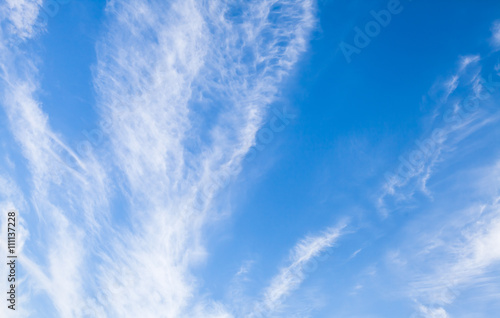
{"x":291,"y":276}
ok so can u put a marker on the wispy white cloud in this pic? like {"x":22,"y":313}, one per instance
{"x":156,"y":62}
{"x":65,"y":199}
{"x":495,"y":38}
{"x":291,"y":276}
{"x":457,"y":253}
{"x":22,"y":15}
{"x":454,"y":256}
{"x":433,"y":312}
{"x":468,"y":60}
{"x":464,"y":110}
{"x":160,"y":67}
{"x":464,"y":262}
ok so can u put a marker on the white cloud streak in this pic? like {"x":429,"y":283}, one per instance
{"x":433,"y":312}
{"x":291,"y":276}
{"x":462,"y":253}
{"x":457,"y":116}
{"x":495,"y":38}
{"x":157,"y":65}
{"x":61,"y":196}
{"x":464,"y":262}
{"x":22,"y":14}
{"x":456,"y":256}
{"x":156,"y":62}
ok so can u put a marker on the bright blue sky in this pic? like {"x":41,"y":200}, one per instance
{"x":228,"y":159}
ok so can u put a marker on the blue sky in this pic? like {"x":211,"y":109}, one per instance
{"x":251,"y":158}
